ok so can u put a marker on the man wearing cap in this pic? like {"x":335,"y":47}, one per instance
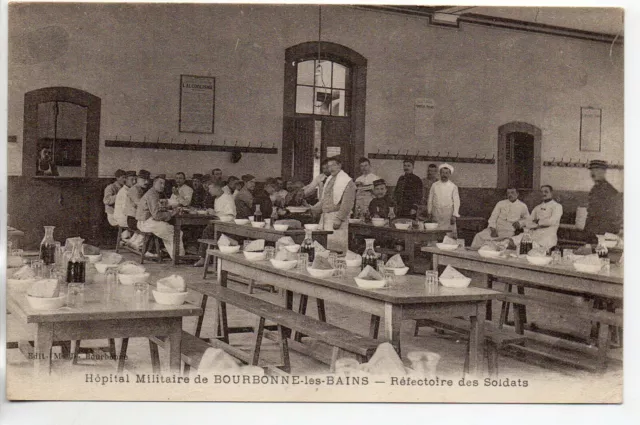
{"x":110,"y":193}
{"x":380,"y":206}
{"x":364,"y":185}
{"x":504,"y":221}
{"x":336,"y":202}
{"x":134,"y":194}
{"x":605,"y":209}
{"x":244,"y":198}
{"x":318,"y":182}
{"x":230,"y":187}
{"x":443,"y":205}
{"x":199,"y":191}
{"x":181,"y":194}
{"x":119,"y":208}
{"x":153,"y":218}
{"x":408,"y":192}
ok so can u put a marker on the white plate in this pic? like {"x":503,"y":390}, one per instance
{"x":312,"y":227}
{"x":283,"y":265}
{"x":370,"y":284}
{"x":539,"y":261}
{"x":255,"y":255}
{"x":587,"y":268}
{"x":447,"y":246}
{"x":488,"y":254}
{"x":430,"y":226}
{"x":323,"y":274}
{"x":461,"y":282}
{"x":169,"y":298}
{"x":241,"y":221}
{"x":258,"y":224}
{"x":403,"y":226}
{"x":229,"y":249}
{"x":398,"y":271}
{"x":297,"y":209}
{"x":38,"y":303}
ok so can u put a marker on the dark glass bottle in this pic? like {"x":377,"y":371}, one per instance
{"x":257,"y":216}
{"x":306,"y":247}
{"x":76,"y":267}
{"x":369,"y":257}
{"x":526,"y":244}
{"x":48,"y":246}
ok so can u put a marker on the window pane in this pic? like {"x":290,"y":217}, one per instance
{"x":338,"y":102}
{"x":323,"y":74}
{"x":340,"y":74}
{"x":306,"y":72}
{"x":304,"y":100}
{"x":322,"y":101}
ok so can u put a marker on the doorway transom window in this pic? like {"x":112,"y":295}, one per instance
{"x":322,"y":88}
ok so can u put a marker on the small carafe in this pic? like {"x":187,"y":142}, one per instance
{"x":48,"y":246}
{"x":392,"y":214}
{"x":369,"y":256}
{"x":306,"y":247}
{"x":257,"y":216}
{"x":526,"y":243}
{"x":76,"y":267}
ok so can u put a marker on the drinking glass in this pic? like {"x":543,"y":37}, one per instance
{"x":141,"y":295}
{"x":267,"y":222}
{"x":245,"y":243}
{"x":431,"y":282}
{"x":389,"y":276}
{"x":380,"y":266}
{"x":110,"y":285}
{"x":461,"y":243}
{"x":332,"y":259}
{"x":606,"y":265}
{"x":269,"y":252}
{"x":303,"y":260}
{"x":341,"y":268}
{"x":75,"y":295}
{"x":567,"y":254}
{"x":37,"y":267}
{"x":556,"y":257}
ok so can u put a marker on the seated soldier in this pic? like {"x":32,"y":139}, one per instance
{"x":381,"y":206}
{"x":504,"y":220}
{"x":544,"y":221}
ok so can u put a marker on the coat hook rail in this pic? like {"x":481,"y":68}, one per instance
{"x":435,"y":158}
{"x":117,"y":142}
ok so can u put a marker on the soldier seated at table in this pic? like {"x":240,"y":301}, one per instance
{"x":381,"y":205}
{"x":224,"y":208}
{"x":295,"y":198}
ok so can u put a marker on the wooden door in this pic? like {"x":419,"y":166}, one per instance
{"x":336,"y":135}
{"x":299,"y":136}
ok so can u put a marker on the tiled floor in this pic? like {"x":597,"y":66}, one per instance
{"x":449,"y":346}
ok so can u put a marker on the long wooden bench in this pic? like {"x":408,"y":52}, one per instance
{"x":495,"y":338}
{"x":287,"y":320}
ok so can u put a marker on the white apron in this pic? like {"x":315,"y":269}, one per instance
{"x":339,"y":239}
{"x":442,"y":215}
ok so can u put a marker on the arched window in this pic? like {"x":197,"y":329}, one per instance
{"x":322,"y":88}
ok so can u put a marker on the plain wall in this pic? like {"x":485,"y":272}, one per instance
{"x":480,"y":78}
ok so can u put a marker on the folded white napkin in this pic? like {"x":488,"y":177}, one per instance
{"x":255,"y":246}
{"x":284,"y":255}
{"x":224,"y":240}
{"x":451,"y":273}
{"x":318,"y":247}
{"x":369,"y":273}
{"x":24,"y":273}
{"x":449,"y":241}
{"x":395,"y":262}
{"x":385,"y":361}
{"x":45,"y":288}
{"x":286,"y":240}
{"x":352,"y":256}
{"x":173,"y":283}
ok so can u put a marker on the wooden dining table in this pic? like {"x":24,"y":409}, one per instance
{"x":97,"y":319}
{"x":269,"y":234}
{"x":560,"y":278}
{"x":413,"y":238}
{"x":405,"y":299}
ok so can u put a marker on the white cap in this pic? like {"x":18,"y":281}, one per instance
{"x":445,"y":165}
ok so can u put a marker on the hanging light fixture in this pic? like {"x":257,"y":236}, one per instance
{"x":318,"y":70}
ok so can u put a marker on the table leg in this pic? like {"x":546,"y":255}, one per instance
{"x":489,"y":285}
{"x":434,"y":262}
{"x":476,"y":341}
{"x":410,"y":247}
{"x":392,"y":323}
{"x":203,"y":306}
{"x":176,"y":241}
{"x":374,"y":326}
{"x":174,"y":338}
{"x":42,"y":349}
{"x":288,"y":304}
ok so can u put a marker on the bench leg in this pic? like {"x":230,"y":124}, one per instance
{"x":604,"y":338}
{"x":185,"y":370}
{"x":66,"y":349}
{"x":203,"y":306}
{"x":112,"y":348}
{"x":489,"y":285}
{"x":322,"y":316}
{"x":504,"y":310}
{"x":257,"y":342}
{"x":251,"y":285}
{"x":517,"y":317}
{"x":374,"y":326}
{"x":335,"y":354}
{"x":223,"y":323}
{"x":523,"y":309}
{"x":288,"y":304}
{"x":155,"y":357}
{"x":118,"y":239}
{"x":207,"y":258}
{"x":123,"y":354}
{"x":76,"y":352}
{"x":492,"y":359}
{"x":302,"y":309}
{"x":284,"y":350}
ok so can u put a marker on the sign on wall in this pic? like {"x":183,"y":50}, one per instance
{"x":197,"y":104}
{"x":590,"y":129}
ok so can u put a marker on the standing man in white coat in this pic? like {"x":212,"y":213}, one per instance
{"x":504,"y":220}
{"x":544,"y":221}
{"x":443,"y":205}
{"x":338,"y":198}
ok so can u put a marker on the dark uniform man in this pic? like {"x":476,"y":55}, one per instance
{"x":408,"y":192}
{"x":605,"y":210}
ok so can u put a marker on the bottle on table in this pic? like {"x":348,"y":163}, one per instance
{"x":306,"y":247}
{"x":526,"y":243}
{"x":392,"y":214}
{"x":257,"y":215}
{"x":76,"y":267}
{"x":274,"y":215}
{"x":369,"y":256}
{"x":48,"y":246}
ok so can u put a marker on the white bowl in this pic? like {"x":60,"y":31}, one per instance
{"x":130,"y":279}
{"x":354,"y":263}
{"x":354,"y":220}
{"x":255,"y":255}
{"x":320,"y":273}
{"x":241,"y":221}
{"x":378,"y":222}
{"x":38,"y":303}
{"x":283,"y":265}
{"x":403,"y":226}
{"x":539,"y":261}
{"x":488,"y":253}
{"x":587,"y":268}
{"x":93,"y":258}
{"x":229,"y":249}
{"x":398,"y":271}
{"x":22,"y":282}
{"x":102,"y":267}
{"x":297,"y":209}
{"x":258,"y":224}
{"x":461,"y":282}
{"x":370,"y":284}
{"x":312,"y":226}
{"x":226,"y":218}
{"x":111,"y":258}
{"x":292,"y":248}
{"x":169,"y":298}
{"x":201,"y":212}
{"x":430,"y":226}
{"x":446,"y":246}
{"x":281,"y":227}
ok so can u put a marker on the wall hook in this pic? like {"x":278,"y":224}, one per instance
{"x":116,"y":137}
{"x":438,"y":154}
{"x":274,"y":146}
{"x":457,"y":155}
{"x":129,"y":138}
{"x":171,"y":140}
{"x":145,"y":139}
{"x":493,"y":157}
{"x":236,"y":143}
{"x":198,"y":142}
{"x":224,"y":142}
